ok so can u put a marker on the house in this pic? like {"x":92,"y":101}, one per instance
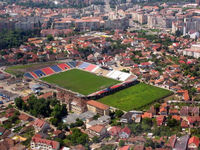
{"x":184,"y":111}
{"x":10,"y":112}
{"x":130,"y":116}
{"x":193,"y":143}
{"x":18,"y":147}
{"x":77,"y":147}
{"x":147,"y":115}
{"x":184,"y":124}
{"x":40,"y":125}
{"x":38,"y":143}
{"x":160,"y":120}
{"x":2,"y":130}
{"x":125,"y":133}
{"x":114,"y":131}
{"x":58,"y":134}
{"x":181,"y":143}
{"x":97,"y":107}
{"x":193,"y":111}
{"x":127,"y":147}
{"x":25,"y":117}
{"x":47,"y":95}
{"x":103,"y":120}
{"x":172,"y":141}
{"x":97,"y":130}
{"x":6,"y":144}
{"x":3,"y":120}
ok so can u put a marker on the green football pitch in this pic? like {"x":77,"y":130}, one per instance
{"x":80,"y":81}
{"x":135,"y":97}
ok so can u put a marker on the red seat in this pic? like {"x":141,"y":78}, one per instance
{"x":48,"y":71}
{"x":63,"y":66}
{"x":90,"y":67}
{"x":34,"y":75}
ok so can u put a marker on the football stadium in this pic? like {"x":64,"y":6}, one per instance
{"x":83,"y":78}
{"x":112,"y":87}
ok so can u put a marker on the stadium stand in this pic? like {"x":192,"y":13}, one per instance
{"x":39,"y":73}
{"x":90,"y":67}
{"x":48,"y":71}
{"x":28,"y":75}
{"x":63,"y":66}
{"x":118,"y":75}
{"x":34,"y":75}
{"x":56,"y":68}
{"x":110,"y":73}
{"x":73,"y":64}
{"x":83,"y":65}
{"x":124,"y":76}
{"x":69,"y":65}
{"x":96,"y":68}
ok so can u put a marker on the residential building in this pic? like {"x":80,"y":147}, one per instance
{"x":193,"y":143}
{"x":44,"y":144}
{"x":125,"y":133}
{"x":40,"y":125}
{"x":97,"y":107}
{"x":97,"y":130}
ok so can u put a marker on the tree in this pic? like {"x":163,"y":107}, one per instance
{"x":172,"y":123}
{"x":96,"y":116}
{"x":77,"y":137}
{"x":50,"y":37}
{"x":19,"y":102}
{"x":10,"y":106}
{"x":54,"y":121}
{"x":121,"y":143}
{"x":178,"y":33}
{"x":119,"y":113}
{"x":95,"y":139}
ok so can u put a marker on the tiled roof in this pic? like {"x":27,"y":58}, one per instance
{"x":194,"y":140}
{"x":126,"y":130}
{"x":97,"y":128}
{"x":97,"y":104}
{"x":39,"y":123}
{"x":54,"y":144}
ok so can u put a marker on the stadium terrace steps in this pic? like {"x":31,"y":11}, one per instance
{"x":124,"y":76}
{"x":39,"y":73}
{"x":96,"y":68}
{"x":90,"y":67}
{"x":63,"y":66}
{"x":115,"y":74}
{"x":56,"y":68}
{"x":69,"y":65}
{"x":73,"y":63}
{"x":110,"y":73}
{"x":48,"y":71}
{"x":34,"y":75}
{"x":84,"y":65}
{"x":28,"y":75}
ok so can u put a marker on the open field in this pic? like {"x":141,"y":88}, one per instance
{"x":135,"y":97}
{"x":21,"y":69}
{"x":80,"y":81}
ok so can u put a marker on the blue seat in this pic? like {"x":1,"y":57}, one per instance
{"x":39,"y":73}
{"x":56,"y":68}
{"x":28,"y":75}
{"x":72,"y":63}
{"x":69,"y":65}
{"x":84,"y":65}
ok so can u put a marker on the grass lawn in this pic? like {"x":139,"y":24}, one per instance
{"x":21,"y":69}
{"x":80,"y":81}
{"x":135,"y":97}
